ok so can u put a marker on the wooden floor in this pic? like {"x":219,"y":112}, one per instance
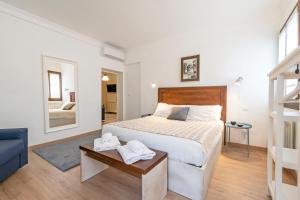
{"x":110,"y":118}
{"x":236,"y":178}
{"x":240,"y":178}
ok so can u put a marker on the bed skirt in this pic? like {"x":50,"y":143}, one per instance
{"x":191,"y":181}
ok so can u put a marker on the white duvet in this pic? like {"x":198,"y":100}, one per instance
{"x":189,"y":142}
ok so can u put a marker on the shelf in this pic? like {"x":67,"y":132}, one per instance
{"x":289,"y":97}
{"x":291,"y":101}
{"x":291,"y":75}
{"x":289,"y":157}
{"x":291,"y":60}
{"x":289,"y":192}
{"x":286,"y":111}
{"x":288,"y":115}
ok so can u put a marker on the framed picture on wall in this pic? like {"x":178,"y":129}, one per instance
{"x":190,"y":70}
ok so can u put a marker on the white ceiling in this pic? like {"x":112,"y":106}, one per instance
{"x":130,"y":23}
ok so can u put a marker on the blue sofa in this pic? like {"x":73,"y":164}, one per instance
{"x":13,"y":151}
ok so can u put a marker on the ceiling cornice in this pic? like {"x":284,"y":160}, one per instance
{"x":33,"y":19}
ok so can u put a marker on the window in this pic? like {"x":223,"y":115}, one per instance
{"x":55,"y":88}
{"x":289,"y":34}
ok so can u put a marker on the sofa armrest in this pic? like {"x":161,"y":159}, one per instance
{"x":15,"y":133}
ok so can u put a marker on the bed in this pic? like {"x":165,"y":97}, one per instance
{"x":191,"y":162}
{"x":59,"y":117}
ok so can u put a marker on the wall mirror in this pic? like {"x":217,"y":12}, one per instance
{"x":60,"y":94}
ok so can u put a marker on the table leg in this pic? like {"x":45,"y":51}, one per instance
{"x":228,"y":135}
{"x":89,"y":167}
{"x":155,"y":182}
{"x":225,"y":135}
{"x":248,"y":142}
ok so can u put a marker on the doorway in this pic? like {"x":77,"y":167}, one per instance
{"x":111,"y":93}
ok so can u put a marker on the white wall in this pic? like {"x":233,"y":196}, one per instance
{"x":24,"y":39}
{"x":133,"y":91}
{"x":226,"y":52}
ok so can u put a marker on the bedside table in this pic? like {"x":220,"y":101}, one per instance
{"x":245,"y":126}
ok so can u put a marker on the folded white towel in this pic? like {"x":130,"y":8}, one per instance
{"x":107,"y":137}
{"x":136,"y":146}
{"x":135,"y":151}
{"x":128,"y":156}
{"x":100,"y":145}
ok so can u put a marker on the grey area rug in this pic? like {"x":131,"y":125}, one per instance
{"x":65,"y":156}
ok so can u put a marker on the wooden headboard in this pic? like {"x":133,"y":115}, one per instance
{"x":208,"y":95}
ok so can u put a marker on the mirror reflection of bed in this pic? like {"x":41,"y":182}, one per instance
{"x":109,"y":97}
{"x":61,"y":93}
{"x":62,"y":113}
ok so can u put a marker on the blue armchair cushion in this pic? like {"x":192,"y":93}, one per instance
{"x":9,"y":149}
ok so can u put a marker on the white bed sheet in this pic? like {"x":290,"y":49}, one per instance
{"x":178,"y":149}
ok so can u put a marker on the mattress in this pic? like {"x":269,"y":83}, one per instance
{"x":189,"y":142}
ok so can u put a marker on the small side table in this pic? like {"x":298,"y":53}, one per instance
{"x":245,"y":126}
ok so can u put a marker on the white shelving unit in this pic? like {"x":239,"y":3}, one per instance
{"x":283,"y":157}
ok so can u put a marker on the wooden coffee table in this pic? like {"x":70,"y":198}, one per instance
{"x":153,"y":173}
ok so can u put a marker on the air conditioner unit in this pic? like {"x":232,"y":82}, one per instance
{"x":113,"y":52}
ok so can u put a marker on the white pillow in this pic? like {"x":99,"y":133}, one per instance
{"x":204,"y":113}
{"x":73,"y":108}
{"x":163,"y":110}
{"x":67,"y":105}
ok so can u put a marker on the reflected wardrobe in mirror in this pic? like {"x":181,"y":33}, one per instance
{"x":60,"y":93}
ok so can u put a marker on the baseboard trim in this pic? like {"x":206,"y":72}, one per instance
{"x":67,"y":139}
{"x":245,"y":146}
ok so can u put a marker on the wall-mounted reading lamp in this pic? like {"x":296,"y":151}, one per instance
{"x":238,"y":81}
